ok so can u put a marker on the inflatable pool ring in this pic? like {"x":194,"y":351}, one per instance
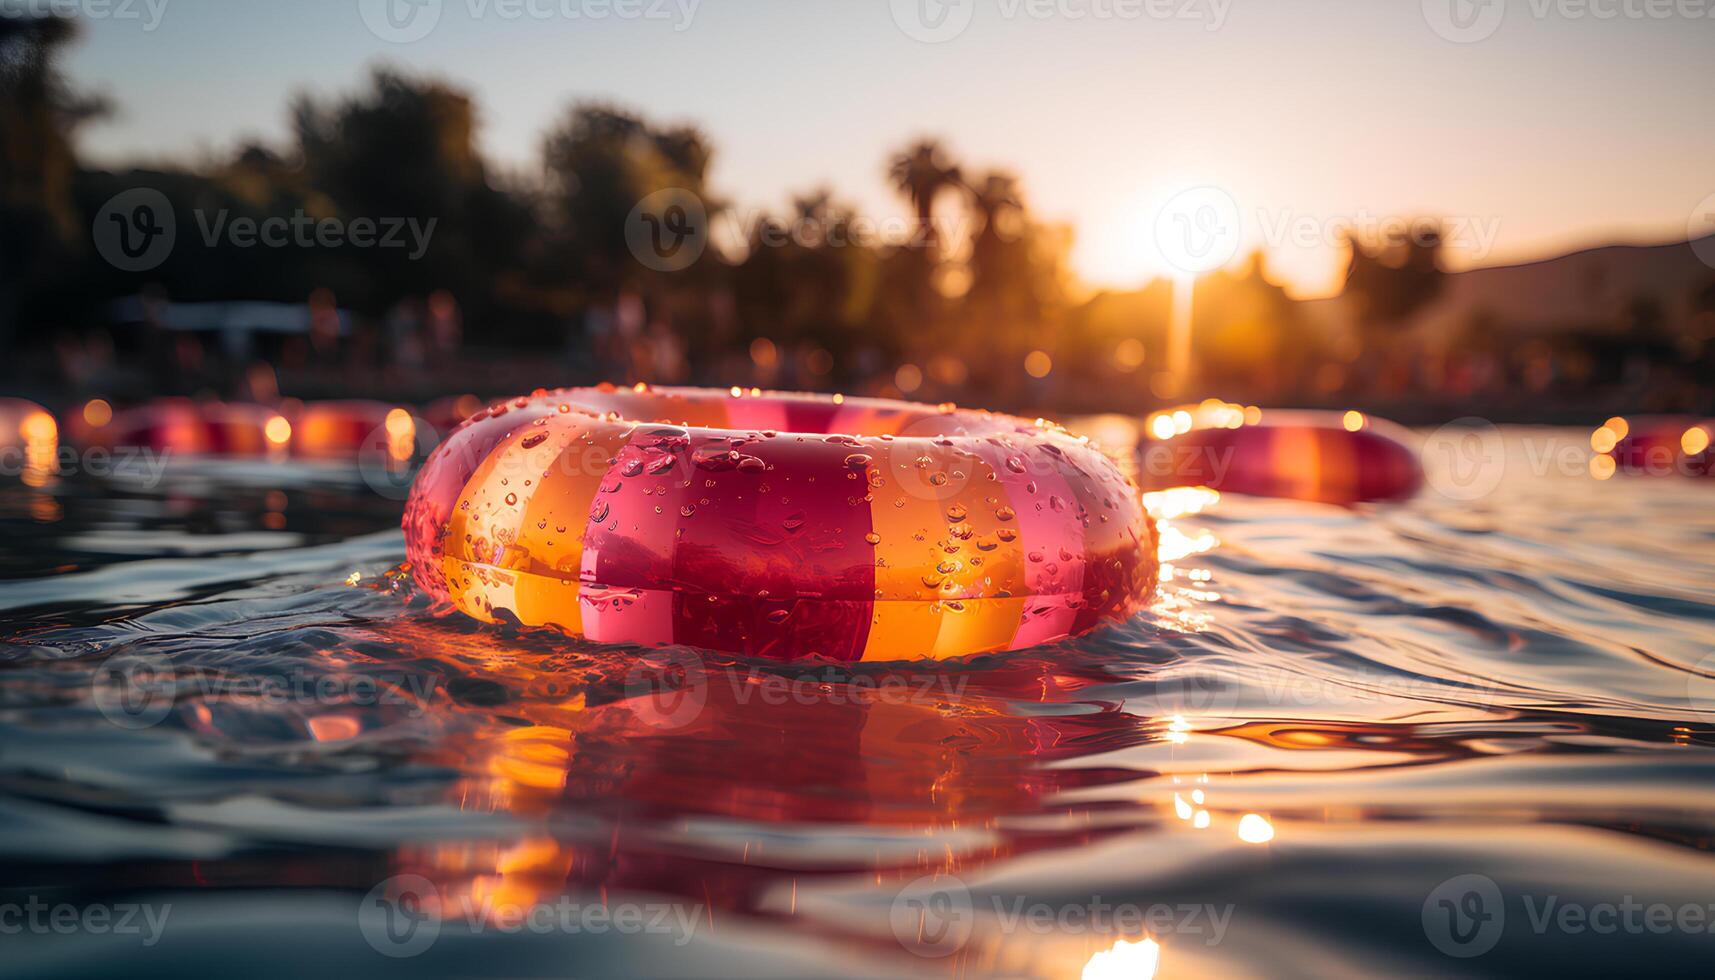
{"x":777,"y":525}
{"x":29,"y":439}
{"x":333,"y":429}
{"x":1656,"y":445}
{"x":1332,"y":457}
{"x":181,"y":426}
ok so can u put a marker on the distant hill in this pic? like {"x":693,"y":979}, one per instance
{"x":1592,"y":291}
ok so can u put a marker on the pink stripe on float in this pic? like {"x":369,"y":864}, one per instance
{"x":621,"y":615}
{"x":1044,"y":530}
{"x":630,"y":543}
{"x":745,"y":412}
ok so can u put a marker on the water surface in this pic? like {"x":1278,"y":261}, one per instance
{"x":220,"y":702}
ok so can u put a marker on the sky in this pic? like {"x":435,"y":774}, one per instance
{"x":1531,"y":127}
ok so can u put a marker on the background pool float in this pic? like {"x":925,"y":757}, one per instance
{"x":1332,"y":457}
{"x":186,"y":427}
{"x":777,"y":525}
{"x":1658,"y":445}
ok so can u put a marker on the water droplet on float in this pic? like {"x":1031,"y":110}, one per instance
{"x":511,"y":500}
{"x":938,"y":479}
{"x":1005,"y":514}
{"x":632,"y":467}
{"x":1035,"y":556}
{"x":1006,"y":534}
{"x":872,"y":538}
{"x":687,"y":510}
{"x":533,"y":440}
{"x":793,"y":522}
{"x":957,"y":512}
{"x":779,"y":616}
{"x":1015,"y":464}
{"x":600,"y":513}
{"x":858,"y":460}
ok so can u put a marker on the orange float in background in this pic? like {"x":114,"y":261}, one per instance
{"x":445,"y":414}
{"x":30,"y":438}
{"x":333,"y":429}
{"x":777,"y":525}
{"x":1656,"y":445}
{"x":1331,"y":457}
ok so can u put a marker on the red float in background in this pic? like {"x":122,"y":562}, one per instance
{"x":1655,"y":445}
{"x":184,"y":427}
{"x":1331,"y":457}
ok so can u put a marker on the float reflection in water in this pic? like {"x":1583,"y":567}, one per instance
{"x":1332,"y":457}
{"x":753,"y":792}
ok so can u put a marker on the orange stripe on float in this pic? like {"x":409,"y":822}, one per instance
{"x":484,"y":548}
{"x":556,"y":518}
{"x":908,"y":515}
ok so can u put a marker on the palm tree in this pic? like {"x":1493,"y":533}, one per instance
{"x":921,"y":173}
{"x":996,"y":263}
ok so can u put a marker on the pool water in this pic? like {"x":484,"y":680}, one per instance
{"x":1471,"y":734}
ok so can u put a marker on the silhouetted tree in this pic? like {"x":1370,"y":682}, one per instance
{"x":38,"y":114}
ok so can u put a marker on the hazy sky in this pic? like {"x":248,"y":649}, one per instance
{"x":1557,"y":123}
